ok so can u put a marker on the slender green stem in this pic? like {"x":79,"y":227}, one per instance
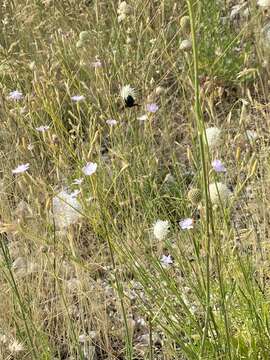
{"x":201,"y":133}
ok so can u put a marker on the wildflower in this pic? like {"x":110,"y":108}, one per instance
{"x":186,"y":45}
{"x":96,"y":64}
{"x":252,"y":135}
{"x":186,"y":224}
{"x":89,"y":169}
{"x":66,"y":209}
{"x":15,"y":95}
{"x":15,"y":347}
{"x":77,"y":181}
{"x":77,"y":98}
{"x":142,"y":117}
{"x":124,"y":8}
{"x":21,"y":168}
{"x":213,"y":136}
{"x":83,"y":338}
{"x":166,"y":260}
{"x":219,"y":192}
{"x":194,"y":196}
{"x":218,"y":166}
{"x":111,"y":122}
{"x":123,"y":11}
{"x":121,"y":17}
{"x":152,"y":108}
{"x":264,"y":3}
{"x":43,"y":128}
{"x":185,"y":23}
{"x":161,"y":229}
{"x":128,"y":94}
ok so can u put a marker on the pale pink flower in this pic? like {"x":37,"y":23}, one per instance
{"x":186,"y":224}
{"x":15,"y":95}
{"x":42,"y":128}
{"x":152,"y":108}
{"x":218,"y":166}
{"x":166,"y":260}
{"x":77,"y":98}
{"x":111,"y":122}
{"x":89,"y":169}
{"x":21,"y":168}
{"x":78,"y":181}
{"x":97,"y":64}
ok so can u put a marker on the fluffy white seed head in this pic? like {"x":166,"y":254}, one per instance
{"x":126,"y":91}
{"x":219,"y":193}
{"x":161,"y":229}
{"x":65,"y":209}
{"x":124,"y":8}
{"x":264,"y":3}
{"x":186,"y":45}
{"x":15,"y":347}
{"x":213,"y":136}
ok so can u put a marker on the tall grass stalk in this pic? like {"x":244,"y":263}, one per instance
{"x":210,"y":230}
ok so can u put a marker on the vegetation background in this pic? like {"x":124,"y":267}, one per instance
{"x":98,"y":266}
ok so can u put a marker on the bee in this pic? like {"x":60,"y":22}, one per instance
{"x":128,"y":94}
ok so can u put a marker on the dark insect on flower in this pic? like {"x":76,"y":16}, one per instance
{"x":128,"y":94}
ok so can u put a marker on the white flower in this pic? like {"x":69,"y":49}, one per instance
{"x":166,"y":260}
{"x":77,"y":181}
{"x":42,"y":128}
{"x":213,"y":136}
{"x":89,"y":169}
{"x":152,"y":108}
{"x":219,"y":192}
{"x":111,"y":122}
{"x":21,"y":168}
{"x":121,"y":17}
{"x":15,"y":347}
{"x":218,"y":166}
{"x":186,"y":45}
{"x":161,"y":229}
{"x":66,"y":209}
{"x":252,"y":135}
{"x":264,"y":3}
{"x":143,"y":117}
{"x":96,"y":64}
{"x":77,"y":98}
{"x":124,"y":8}
{"x":186,"y":224}
{"x":127,"y":91}
{"x":15,"y":95}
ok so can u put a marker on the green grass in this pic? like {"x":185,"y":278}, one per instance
{"x":98,"y":286}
